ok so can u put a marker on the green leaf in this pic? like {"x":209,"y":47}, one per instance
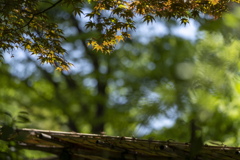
{"x":184,"y":21}
{"x":90,"y":25}
{"x":6,"y":132}
{"x":22,"y":119}
{"x":148,"y":18}
{"x":77,"y":11}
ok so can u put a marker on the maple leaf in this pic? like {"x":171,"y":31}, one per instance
{"x":126,"y":35}
{"x":119,"y":38}
{"x":91,"y":42}
{"x":98,"y":47}
{"x":90,"y":25}
{"x":195,"y":13}
{"x":106,"y":43}
{"x":59,"y":69}
{"x":148,"y":18}
{"x":77,"y":11}
{"x":214,"y":2}
{"x":184,"y":21}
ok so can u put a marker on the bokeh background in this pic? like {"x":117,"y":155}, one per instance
{"x":153,"y":85}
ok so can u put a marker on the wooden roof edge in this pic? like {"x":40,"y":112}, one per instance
{"x":98,"y":145}
{"x":168,"y":142}
{"x":56,"y":133}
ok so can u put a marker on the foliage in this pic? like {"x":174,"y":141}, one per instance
{"x":208,"y":85}
{"x":8,"y":126}
{"x":169,"y":77}
{"x":204,"y":88}
{"x":25,"y":24}
{"x":177,"y":70}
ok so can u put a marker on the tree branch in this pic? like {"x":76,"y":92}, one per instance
{"x":38,"y":13}
{"x":45,"y":10}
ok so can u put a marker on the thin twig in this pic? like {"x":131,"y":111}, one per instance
{"x":35,"y":14}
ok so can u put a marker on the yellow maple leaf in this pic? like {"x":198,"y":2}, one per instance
{"x":119,"y":38}
{"x":105,"y":43}
{"x":98,"y":47}
{"x":59,"y":69}
{"x":214,"y":2}
{"x":168,"y":3}
{"x":91,"y":42}
{"x":28,"y":46}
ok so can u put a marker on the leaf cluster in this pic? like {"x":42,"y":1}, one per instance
{"x":120,"y":16}
{"x":25,"y":24}
{"x":134,"y":87}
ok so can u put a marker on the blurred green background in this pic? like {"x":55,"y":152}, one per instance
{"x":166,"y":81}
